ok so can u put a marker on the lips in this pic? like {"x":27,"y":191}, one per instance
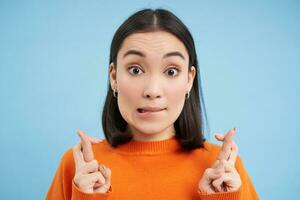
{"x":150,"y":109}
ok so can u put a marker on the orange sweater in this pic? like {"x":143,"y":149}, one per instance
{"x":147,"y":171}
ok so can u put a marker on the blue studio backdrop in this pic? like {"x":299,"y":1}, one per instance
{"x":54,"y":74}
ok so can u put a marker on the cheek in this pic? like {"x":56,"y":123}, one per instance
{"x":127,"y":97}
{"x":176,"y":96}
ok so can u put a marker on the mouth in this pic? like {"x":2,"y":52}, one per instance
{"x":141,"y":110}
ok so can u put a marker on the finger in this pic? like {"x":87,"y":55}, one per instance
{"x":77,"y":155}
{"x":220,"y":184}
{"x":234,"y":153}
{"x":228,"y":136}
{"x":211,"y":174}
{"x":89,"y":167}
{"x":216,"y":164}
{"x":94,"y":140}
{"x":88,"y":154}
{"x":89,"y":180}
{"x":219,"y":165}
{"x":217,"y":183}
{"x":226,"y":181}
{"x":106,"y":173}
{"x":219,"y":137}
{"x":208,"y":176}
{"x":228,"y":166}
{"x":223,"y":166}
{"x":97,"y":177}
{"x":226,"y":147}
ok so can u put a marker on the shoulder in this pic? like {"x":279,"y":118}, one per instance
{"x":210,"y":149}
{"x":67,"y":160}
{"x":103,"y":151}
{"x":207,"y":154}
{"x":102,"y":146}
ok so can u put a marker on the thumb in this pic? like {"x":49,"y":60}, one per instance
{"x":88,"y":154}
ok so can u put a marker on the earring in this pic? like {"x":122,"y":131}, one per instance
{"x":115,"y":93}
{"x":187,"y":95}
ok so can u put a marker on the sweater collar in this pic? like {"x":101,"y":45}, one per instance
{"x":150,"y":147}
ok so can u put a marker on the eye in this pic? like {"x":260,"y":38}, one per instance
{"x":134,"y":69}
{"x":172,"y":71}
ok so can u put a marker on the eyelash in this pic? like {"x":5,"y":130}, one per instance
{"x":135,"y":66}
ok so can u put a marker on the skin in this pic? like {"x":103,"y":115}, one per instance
{"x":152,"y":85}
{"x":152,"y":82}
{"x":222,"y":176}
{"x":90,"y":177}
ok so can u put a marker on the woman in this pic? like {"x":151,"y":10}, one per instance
{"x":153,"y":124}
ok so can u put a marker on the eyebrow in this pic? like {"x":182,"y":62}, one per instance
{"x":141,"y":54}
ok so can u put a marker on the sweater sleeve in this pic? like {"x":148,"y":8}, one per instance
{"x":245,"y":192}
{"x":63,"y":187}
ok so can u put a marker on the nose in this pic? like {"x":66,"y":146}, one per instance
{"x":153,"y":88}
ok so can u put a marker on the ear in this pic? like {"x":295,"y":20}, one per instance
{"x":113,"y":76}
{"x":191,"y":76}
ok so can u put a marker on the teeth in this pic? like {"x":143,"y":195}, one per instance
{"x":141,"y":110}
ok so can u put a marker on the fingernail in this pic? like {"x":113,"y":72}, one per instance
{"x":79,"y":133}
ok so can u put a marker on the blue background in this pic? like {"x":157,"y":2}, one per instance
{"x":54,"y":74}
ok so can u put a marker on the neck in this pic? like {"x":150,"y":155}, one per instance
{"x":171,"y":145}
{"x":148,"y":137}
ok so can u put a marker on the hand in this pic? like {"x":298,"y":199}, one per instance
{"x":222,"y":176}
{"x":89,"y":176}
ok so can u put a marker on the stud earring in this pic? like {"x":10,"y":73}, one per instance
{"x":115,"y":93}
{"x":187,"y":95}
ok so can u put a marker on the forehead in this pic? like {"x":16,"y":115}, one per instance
{"x":155,"y":43}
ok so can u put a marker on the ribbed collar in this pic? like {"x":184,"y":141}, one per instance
{"x":150,"y":147}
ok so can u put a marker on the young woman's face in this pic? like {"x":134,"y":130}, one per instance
{"x":152,"y":71}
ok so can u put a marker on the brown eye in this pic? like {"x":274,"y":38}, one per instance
{"x":172,"y":71}
{"x":134,"y":70}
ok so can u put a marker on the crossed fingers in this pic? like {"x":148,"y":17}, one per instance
{"x":222,"y":175}
{"x":83,"y":151}
{"x":229,"y":149}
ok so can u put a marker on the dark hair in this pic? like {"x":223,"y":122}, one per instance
{"x":189,"y":126}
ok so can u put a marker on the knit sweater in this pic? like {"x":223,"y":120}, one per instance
{"x":147,"y":171}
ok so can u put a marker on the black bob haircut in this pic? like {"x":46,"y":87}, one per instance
{"x":189,"y":126}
